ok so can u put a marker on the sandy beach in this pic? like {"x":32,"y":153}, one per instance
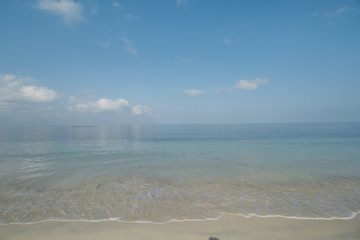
{"x":225,"y":228}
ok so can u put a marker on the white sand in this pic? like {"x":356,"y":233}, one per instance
{"x":226,"y":228}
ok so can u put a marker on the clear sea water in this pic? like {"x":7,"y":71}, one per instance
{"x":165,"y":172}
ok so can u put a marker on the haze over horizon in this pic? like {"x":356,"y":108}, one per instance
{"x":91,"y":62}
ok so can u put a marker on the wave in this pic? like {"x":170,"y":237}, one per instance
{"x":144,"y":200}
{"x":352,"y":216}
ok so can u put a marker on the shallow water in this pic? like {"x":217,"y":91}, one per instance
{"x":163,"y":172}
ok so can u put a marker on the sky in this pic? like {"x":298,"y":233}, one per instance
{"x":98,"y":62}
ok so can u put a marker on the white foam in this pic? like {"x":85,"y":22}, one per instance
{"x":352,"y":216}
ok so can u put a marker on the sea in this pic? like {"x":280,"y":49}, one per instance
{"x":162,"y":173}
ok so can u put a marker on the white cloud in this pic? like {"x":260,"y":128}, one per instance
{"x":141,"y":109}
{"x":331,"y":13}
{"x":13,"y":90}
{"x":250,"y":84}
{"x":341,"y":10}
{"x":316,"y":14}
{"x":101,"y":105}
{"x":116,"y":4}
{"x":226,"y":41}
{"x":119,"y":105}
{"x":131,"y":16}
{"x":129,"y":46}
{"x":185,"y":60}
{"x":69,"y":10}
{"x":181,"y":2}
{"x":247,"y":85}
{"x":94,"y":10}
{"x":102,"y":44}
{"x":193,"y":92}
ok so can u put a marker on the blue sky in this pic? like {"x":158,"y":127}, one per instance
{"x":72,"y":62}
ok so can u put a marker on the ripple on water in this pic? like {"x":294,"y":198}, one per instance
{"x":142,"y":198}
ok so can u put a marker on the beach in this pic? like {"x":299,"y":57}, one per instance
{"x":226,"y":227}
{"x":180,"y":119}
{"x":287,"y":181}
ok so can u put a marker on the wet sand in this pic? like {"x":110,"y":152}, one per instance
{"x":225,"y":228}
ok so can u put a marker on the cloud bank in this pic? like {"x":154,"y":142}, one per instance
{"x":119,"y":105}
{"x":68,"y":10}
{"x":13,"y":90}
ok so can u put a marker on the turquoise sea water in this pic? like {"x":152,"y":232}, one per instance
{"x":164,"y":172}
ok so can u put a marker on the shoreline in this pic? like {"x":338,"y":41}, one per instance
{"x":221,"y":215}
{"x":226,"y":227}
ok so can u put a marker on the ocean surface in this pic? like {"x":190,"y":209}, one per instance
{"x":161,"y":173}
